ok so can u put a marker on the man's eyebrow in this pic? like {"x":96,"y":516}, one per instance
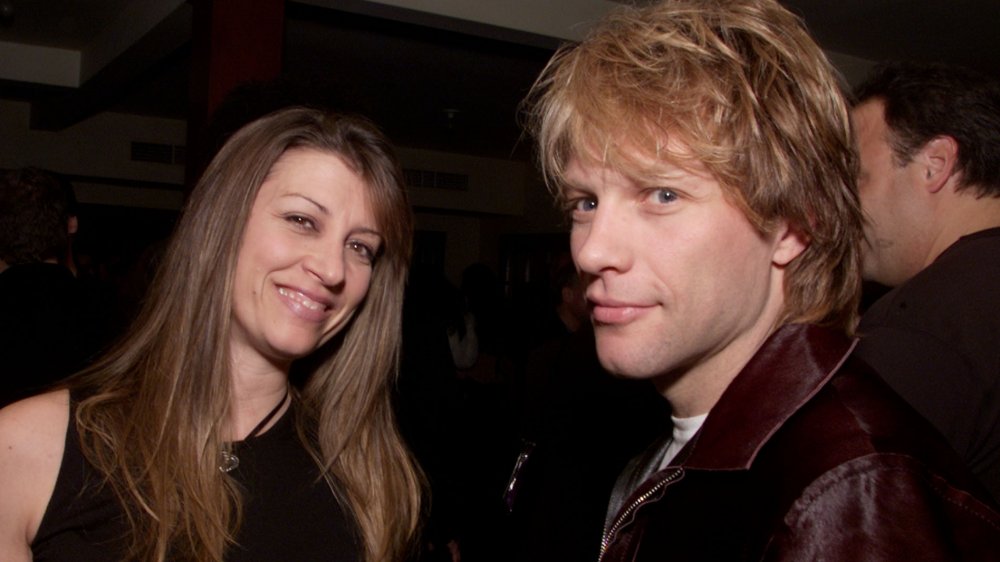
{"x":319,"y":206}
{"x":566,"y":184}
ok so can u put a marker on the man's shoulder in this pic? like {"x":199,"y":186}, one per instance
{"x":887,"y":502}
{"x":857,"y":415}
{"x":967,"y":271}
{"x":889,"y":474}
{"x":27,"y":272}
{"x":954,"y":299}
{"x":943,"y":321}
{"x":23,"y":285}
{"x":856,"y":448}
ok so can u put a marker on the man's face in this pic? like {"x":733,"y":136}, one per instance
{"x":678,"y":280}
{"x":889,"y":200}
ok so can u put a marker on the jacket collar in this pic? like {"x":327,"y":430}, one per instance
{"x":789,"y":368}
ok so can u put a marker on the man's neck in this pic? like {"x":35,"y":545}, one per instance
{"x":695,"y":391}
{"x":963,"y":215}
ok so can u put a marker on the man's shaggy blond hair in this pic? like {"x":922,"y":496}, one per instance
{"x":752,"y":98}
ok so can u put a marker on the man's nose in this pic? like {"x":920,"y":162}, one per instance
{"x":604,"y":243}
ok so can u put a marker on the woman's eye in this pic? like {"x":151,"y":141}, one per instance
{"x":301,"y":221}
{"x":364,"y":251}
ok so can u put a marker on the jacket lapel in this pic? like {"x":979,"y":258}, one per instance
{"x":791,"y":367}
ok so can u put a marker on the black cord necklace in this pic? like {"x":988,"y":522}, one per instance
{"x":229,"y":461}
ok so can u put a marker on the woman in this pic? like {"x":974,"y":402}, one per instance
{"x":189,"y":440}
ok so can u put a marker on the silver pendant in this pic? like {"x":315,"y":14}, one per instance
{"x":228,"y":461}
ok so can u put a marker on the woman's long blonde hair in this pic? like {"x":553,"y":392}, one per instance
{"x":155,"y":408}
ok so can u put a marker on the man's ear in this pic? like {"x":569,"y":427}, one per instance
{"x":937,"y":160}
{"x":72,"y":225}
{"x":790,"y":242}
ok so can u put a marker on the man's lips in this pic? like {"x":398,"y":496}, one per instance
{"x":606,"y":311}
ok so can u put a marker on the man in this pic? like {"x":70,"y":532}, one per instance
{"x":705,"y":155}
{"x":43,"y":336}
{"x":929,"y":137}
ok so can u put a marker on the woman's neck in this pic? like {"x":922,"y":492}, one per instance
{"x":256,"y":390}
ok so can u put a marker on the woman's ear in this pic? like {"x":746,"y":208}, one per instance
{"x":790,"y":241}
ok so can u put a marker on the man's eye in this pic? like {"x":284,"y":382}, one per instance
{"x":664,"y":196}
{"x":584,"y":205}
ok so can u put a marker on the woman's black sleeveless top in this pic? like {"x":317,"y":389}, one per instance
{"x":289,"y":512}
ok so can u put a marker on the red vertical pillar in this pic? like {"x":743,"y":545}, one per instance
{"x":233,"y":42}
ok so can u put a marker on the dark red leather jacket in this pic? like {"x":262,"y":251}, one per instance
{"x":807,"y":456}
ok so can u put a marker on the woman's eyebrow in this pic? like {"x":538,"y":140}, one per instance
{"x":319,"y":206}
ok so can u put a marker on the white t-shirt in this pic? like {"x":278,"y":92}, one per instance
{"x":684,"y":430}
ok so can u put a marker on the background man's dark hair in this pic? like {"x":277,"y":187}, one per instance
{"x":35,"y":207}
{"x":923,"y":101}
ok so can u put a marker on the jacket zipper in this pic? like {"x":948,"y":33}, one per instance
{"x":629,"y":511}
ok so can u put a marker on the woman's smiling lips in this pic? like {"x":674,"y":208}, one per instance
{"x":305,"y":305}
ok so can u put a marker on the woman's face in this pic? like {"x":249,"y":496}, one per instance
{"x":306,"y":259}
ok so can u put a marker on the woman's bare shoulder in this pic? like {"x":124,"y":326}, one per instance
{"x":32,"y":438}
{"x":28,"y":426}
